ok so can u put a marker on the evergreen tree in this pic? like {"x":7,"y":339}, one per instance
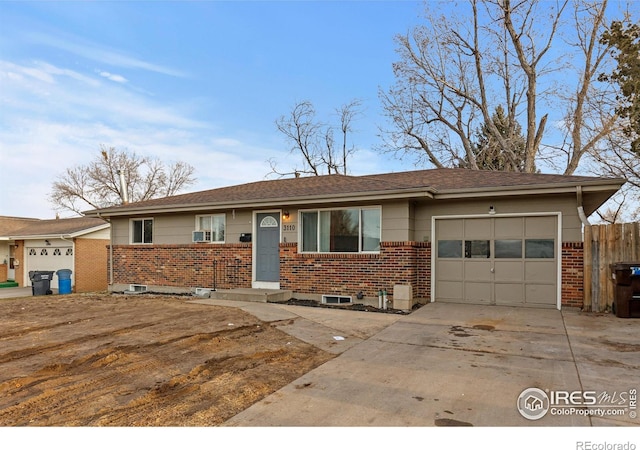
{"x":626,"y":50}
{"x":489,"y":152}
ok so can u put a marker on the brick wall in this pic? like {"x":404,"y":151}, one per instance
{"x":189,"y":265}
{"x":90,"y":265}
{"x":19,"y":268}
{"x":4,"y":270}
{"x":572,"y":274}
{"x":423,"y":289}
{"x":348,"y":274}
{"x":192,"y":265}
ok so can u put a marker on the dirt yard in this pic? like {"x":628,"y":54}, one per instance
{"x":102,"y":360}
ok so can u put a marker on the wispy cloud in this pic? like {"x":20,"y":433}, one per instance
{"x":55,"y":118}
{"x":99,"y":53}
{"x":113,"y":77}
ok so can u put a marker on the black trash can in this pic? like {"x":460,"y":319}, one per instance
{"x":626,"y":302}
{"x":41,"y":282}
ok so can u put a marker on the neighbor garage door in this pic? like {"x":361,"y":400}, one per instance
{"x":49,"y":258}
{"x":497,"y":260}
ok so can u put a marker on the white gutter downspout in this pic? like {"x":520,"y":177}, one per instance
{"x":588,"y":264}
{"x":110,"y":250}
{"x":581,"y":214}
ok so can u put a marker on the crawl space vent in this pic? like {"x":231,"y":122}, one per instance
{"x":335,"y":299}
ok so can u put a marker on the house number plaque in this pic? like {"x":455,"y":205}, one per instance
{"x":290,"y":227}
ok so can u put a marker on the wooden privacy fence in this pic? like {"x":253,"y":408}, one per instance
{"x":605,"y":245}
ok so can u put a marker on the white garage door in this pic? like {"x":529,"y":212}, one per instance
{"x":497,"y":260}
{"x":49,"y":258}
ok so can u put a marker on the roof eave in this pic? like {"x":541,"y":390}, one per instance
{"x":271,"y":202}
{"x":90,"y":230}
{"x":71,"y":235}
{"x":551,"y":188}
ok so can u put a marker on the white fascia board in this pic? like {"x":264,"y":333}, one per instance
{"x":525,"y":190}
{"x":59,"y":235}
{"x":89,"y":230}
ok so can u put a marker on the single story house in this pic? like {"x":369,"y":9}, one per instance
{"x":79,"y":244}
{"x":454,"y":235}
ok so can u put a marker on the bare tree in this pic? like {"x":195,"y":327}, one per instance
{"x":97,"y":185}
{"x":617,"y":159}
{"x":315,"y":140}
{"x":454,"y":71}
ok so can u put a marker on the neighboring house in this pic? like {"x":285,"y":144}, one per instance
{"x":79,"y":244}
{"x":438,"y":235}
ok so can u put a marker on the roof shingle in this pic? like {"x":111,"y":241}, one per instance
{"x":435,"y":180}
{"x":11,"y":226}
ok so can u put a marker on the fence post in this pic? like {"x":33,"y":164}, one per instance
{"x":595,"y":278}
{"x":587,"y":267}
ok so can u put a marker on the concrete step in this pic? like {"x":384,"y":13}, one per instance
{"x":252,"y":295}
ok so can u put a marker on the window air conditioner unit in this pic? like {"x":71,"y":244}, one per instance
{"x":201,"y":236}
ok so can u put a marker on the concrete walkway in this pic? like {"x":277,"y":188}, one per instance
{"x":15,"y":292}
{"x":329,"y":329}
{"x":448,"y":364}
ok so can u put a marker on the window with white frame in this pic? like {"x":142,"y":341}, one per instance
{"x":213,"y":225}
{"x":141,"y":231}
{"x":350,"y":230}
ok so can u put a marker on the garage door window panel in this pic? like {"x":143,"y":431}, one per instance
{"x":450,"y":248}
{"x":477,"y":249}
{"x":539,"y":248}
{"x":508,"y":248}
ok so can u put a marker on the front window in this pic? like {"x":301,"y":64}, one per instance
{"x":213,"y":226}
{"x":142,"y":231}
{"x":350,"y":230}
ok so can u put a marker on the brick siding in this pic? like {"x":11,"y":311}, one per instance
{"x":229,"y":266}
{"x":4,"y":270}
{"x":191,"y":265}
{"x":19,"y":268}
{"x":572,"y":274}
{"x":90,"y":265}
{"x":349,"y":274}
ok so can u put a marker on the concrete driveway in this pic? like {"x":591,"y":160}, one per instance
{"x":16,"y":292}
{"x":448,"y":365}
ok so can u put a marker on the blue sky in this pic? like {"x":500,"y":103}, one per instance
{"x":199,"y":81}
